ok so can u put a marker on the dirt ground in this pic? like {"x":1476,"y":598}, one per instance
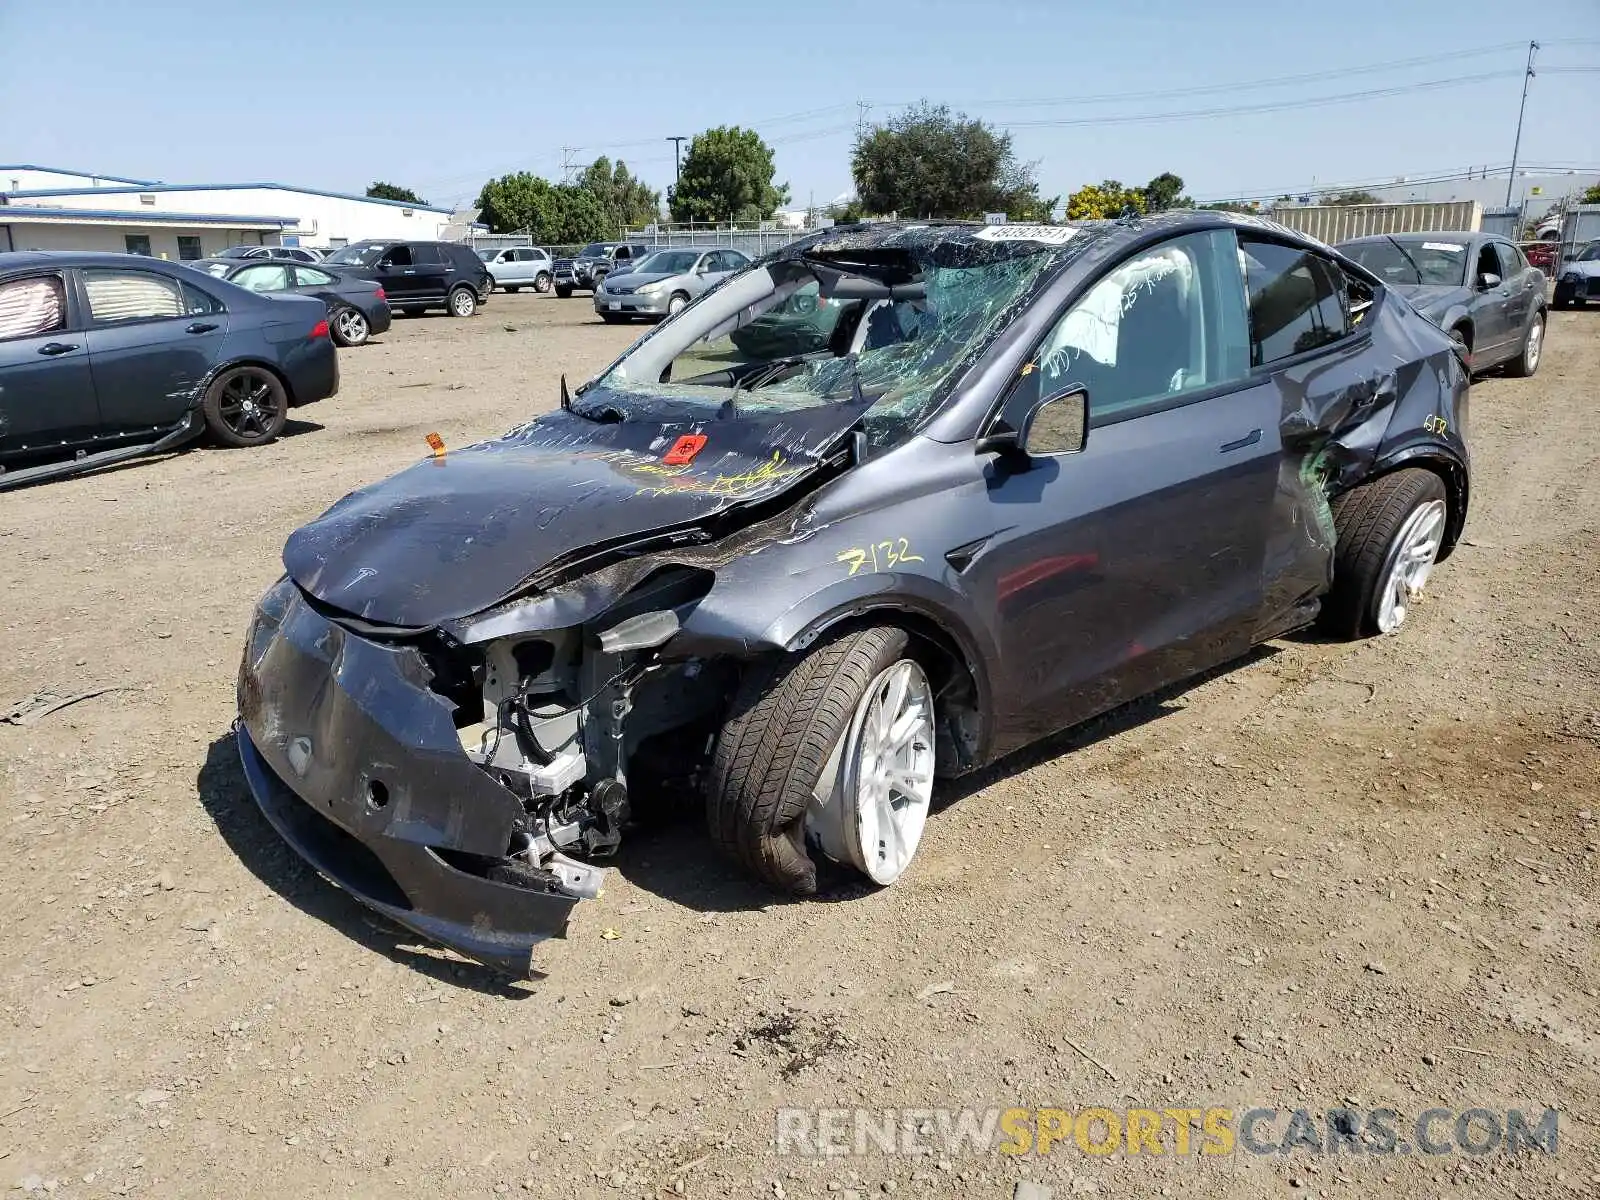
{"x":1359,"y":875}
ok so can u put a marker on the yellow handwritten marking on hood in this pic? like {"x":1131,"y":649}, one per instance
{"x":741,"y":483}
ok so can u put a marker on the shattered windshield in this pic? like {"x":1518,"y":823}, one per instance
{"x":889,"y":330}
{"x":1407,"y":262}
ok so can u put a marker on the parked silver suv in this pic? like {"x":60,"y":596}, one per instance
{"x":517,"y":267}
{"x":660,"y":285}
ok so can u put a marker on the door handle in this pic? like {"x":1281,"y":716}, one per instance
{"x":51,"y":349}
{"x":408,"y":272}
{"x":1249,"y":439}
{"x":201,"y":327}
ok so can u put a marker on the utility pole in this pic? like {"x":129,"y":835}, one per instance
{"x":1511,"y":179}
{"x":677,"y":157}
{"x":567,"y":165}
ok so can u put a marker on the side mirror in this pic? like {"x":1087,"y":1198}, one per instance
{"x":385,"y":264}
{"x":1058,"y":424}
{"x":1488,"y":280}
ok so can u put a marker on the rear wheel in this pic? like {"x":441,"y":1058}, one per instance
{"x":541,"y":282}
{"x":513,"y":288}
{"x":350,"y":327}
{"x":1527,"y":362}
{"x":1390,"y":534}
{"x":245,"y":406}
{"x":835,"y":748}
{"x":463,"y":302}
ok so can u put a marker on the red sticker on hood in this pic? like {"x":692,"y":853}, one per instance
{"x":684,"y":449}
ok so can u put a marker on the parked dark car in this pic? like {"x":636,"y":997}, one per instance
{"x":295,"y":253}
{"x":417,"y":276}
{"x":1030,"y":473}
{"x":593,"y":263}
{"x":1578,"y":281}
{"x":104,"y":357}
{"x":1478,"y":288}
{"x":357,"y":307}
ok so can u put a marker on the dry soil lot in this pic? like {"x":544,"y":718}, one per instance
{"x":1333,"y":874}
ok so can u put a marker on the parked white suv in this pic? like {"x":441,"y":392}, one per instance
{"x":517,"y":267}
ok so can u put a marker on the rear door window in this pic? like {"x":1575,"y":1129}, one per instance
{"x":32,"y":307}
{"x":311,"y":277}
{"x":266,"y":277}
{"x":116,"y":297}
{"x":1511,"y":261}
{"x":426,"y":254}
{"x":1297,"y":300}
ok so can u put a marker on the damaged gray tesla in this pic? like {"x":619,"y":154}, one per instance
{"x":889,"y":504}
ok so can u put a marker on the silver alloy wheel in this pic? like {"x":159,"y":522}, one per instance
{"x":352,"y":327}
{"x":463,"y":303}
{"x":541,"y":283}
{"x":676,"y":305}
{"x":1411,"y":558}
{"x":1535,"y":344}
{"x":871,"y":804}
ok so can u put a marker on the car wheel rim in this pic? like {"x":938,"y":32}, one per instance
{"x":352,"y":326}
{"x":463,"y":304}
{"x":542,"y":284}
{"x":675,"y":305}
{"x":871,"y":805}
{"x":1535,"y":341}
{"x":248,"y":406}
{"x":1411,"y":559}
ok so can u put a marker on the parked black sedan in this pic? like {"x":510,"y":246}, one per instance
{"x":357,"y":307}
{"x":1478,"y":288}
{"x":1026,"y":474}
{"x":105,"y":357}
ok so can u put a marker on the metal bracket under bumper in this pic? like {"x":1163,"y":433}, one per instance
{"x":493,"y":923}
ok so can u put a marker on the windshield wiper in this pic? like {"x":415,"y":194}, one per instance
{"x":769,"y":372}
{"x":1409,"y":259}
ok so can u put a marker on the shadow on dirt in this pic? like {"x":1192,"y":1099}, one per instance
{"x":673,"y":858}
{"x":222,"y":790}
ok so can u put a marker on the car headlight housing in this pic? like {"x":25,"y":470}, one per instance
{"x":651,"y":289}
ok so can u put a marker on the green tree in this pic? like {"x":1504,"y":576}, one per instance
{"x":393,"y":191}
{"x":1103,"y":201}
{"x":524,"y":203}
{"x":1592,"y":196}
{"x":930,"y":162}
{"x":626,"y":200}
{"x":727,"y":176}
{"x":1356,"y":196}
{"x":1165,"y":191}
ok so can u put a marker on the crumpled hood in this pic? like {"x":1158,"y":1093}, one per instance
{"x":1432,"y":299}
{"x":453,"y":535}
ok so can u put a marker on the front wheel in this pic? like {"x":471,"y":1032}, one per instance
{"x":245,"y":406}
{"x":833,"y":750}
{"x":1527,"y":362}
{"x":350,"y":327}
{"x":541,"y":282}
{"x":463,"y":302}
{"x":1391,"y":532}
{"x":513,"y":289}
{"x":677,"y":304}
{"x":563,"y":291}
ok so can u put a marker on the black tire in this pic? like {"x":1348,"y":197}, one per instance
{"x":774,"y":745}
{"x":513,"y":288}
{"x":350,"y":327}
{"x":1527,"y":360}
{"x":564,"y":292}
{"x":541,"y":282}
{"x":1559,"y":303}
{"x":1368,"y":518}
{"x":461,"y":302}
{"x":226,"y":413}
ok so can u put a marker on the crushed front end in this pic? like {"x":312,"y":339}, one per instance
{"x":457,"y":788}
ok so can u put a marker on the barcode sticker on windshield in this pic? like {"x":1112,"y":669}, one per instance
{"x":1050,"y":235}
{"x":1453,"y":247}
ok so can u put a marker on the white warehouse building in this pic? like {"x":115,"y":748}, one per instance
{"x":78,"y":210}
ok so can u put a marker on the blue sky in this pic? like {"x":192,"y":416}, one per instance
{"x":439,"y":97}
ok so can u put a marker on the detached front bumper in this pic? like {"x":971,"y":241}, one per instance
{"x":358,"y":766}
